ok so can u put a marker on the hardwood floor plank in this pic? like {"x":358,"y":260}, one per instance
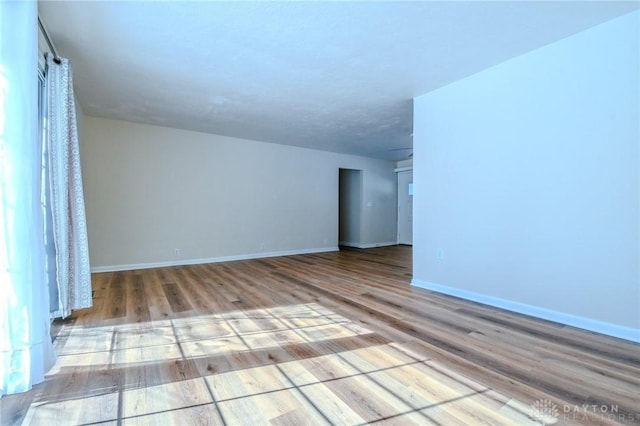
{"x":174,"y":296}
{"x":117,"y":308}
{"x":138,"y":307}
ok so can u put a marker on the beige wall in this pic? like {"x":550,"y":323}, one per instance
{"x":150,"y":190}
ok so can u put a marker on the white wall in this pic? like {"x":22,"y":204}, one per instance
{"x":527,"y":178}
{"x":151,"y":189}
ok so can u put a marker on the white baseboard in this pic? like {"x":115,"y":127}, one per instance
{"x":348,"y":244}
{"x":366,"y":246}
{"x":183,"y":262}
{"x":614,"y":330}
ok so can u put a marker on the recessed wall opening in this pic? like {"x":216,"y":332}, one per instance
{"x":350,"y":207}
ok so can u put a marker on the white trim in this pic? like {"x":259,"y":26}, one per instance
{"x":403,"y":169}
{"x":614,"y":330}
{"x":366,"y":246}
{"x":348,"y":244}
{"x":183,"y":262}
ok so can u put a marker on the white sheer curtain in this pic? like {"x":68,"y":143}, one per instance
{"x":66,"y":194}
{"x":26,"y":352}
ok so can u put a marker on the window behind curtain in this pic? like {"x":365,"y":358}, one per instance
{"x":50,"y":253}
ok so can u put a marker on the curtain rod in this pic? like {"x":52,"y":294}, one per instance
{"x":56,"y":58}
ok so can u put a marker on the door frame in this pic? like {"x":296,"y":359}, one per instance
{"x":399,"y":171}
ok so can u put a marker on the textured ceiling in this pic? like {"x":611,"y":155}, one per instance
{"x":337,"y":76}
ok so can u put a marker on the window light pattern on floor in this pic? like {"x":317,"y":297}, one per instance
{"x":313,"y":367}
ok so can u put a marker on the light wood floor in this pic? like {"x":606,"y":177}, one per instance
{"x":332,"y":338}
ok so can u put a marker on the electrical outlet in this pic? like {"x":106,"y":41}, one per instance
{"x":440,"y":253}
{"x":176,"y":252}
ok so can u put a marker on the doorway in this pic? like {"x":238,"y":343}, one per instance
{"x":405,"y":207}
{"x":350,"y":207}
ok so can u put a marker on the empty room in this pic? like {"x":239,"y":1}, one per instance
{"x":329,"y":212}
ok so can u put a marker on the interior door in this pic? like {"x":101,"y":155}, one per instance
{"x":405,"y":207}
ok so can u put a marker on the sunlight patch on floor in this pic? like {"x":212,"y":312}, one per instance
{"x":151,"y":376}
